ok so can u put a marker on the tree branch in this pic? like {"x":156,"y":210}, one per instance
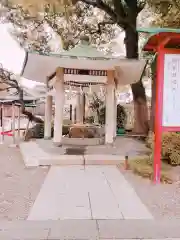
{"x":119,"y":8}
{"x":141,"y":6}
{"x":103,"y":6}
{"x":99,"y":25}
{"x":13,"y":84}
{"x":123,"y":22}
{"x":176,"y":4}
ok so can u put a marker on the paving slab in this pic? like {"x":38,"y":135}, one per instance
{"x":22,"y":234}
{"x":21,"y":230}
{"x":103,"y":203}
{"x":137,"y":229}
{"x":62,"y":160}
{"x":72,"y":229}
{"x":103,"y":159}
{"x":24,"y":224}
{"x":108,"y":159}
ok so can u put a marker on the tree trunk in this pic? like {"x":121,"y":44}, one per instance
{"x":141,"y":125}
{"x":153,"y":101}
{"x":30,"y":116}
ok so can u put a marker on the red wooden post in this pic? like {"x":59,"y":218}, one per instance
{"x":158,"y":115}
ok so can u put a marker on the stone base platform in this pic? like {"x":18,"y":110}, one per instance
{"x":83,"y":141}
{"x":44,"y":153}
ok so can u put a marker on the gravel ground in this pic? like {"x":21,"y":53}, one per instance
{"x":19,"y":186}
{"x":163,"y":200}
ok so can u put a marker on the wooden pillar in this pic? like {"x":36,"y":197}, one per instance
{"x":19,"y":122}
{"x":75,"y":114}
{"x":59,"y":107}
{"x":115,"y":114}
{"x":109,"y":121}
{"x":48,"y":117}
{"x":2,"y":124}
{"x":13,"y":123}
{"x":70,"y":112}
{"x":1,"y":110}
{"x":79,"y":108}
{"x":84,"y":107}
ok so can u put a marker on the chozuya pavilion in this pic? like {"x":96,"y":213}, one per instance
{"x":81,"y":66}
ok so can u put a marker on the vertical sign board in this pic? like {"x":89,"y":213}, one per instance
{"x":167,"y":103}
{"x":171,"y":93}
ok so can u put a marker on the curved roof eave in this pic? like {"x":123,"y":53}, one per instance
{"x":157,"y":35}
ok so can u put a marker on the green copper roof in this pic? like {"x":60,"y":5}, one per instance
{"x":157,"y":30}
{"x":85,"y":50}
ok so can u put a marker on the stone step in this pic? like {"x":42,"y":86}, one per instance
{"x":91,"y":159}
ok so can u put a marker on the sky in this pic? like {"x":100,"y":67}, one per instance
{"x":12,"y":56}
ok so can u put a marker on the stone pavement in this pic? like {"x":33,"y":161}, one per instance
{"x":87,"y":192}
{"x":90,"y":230}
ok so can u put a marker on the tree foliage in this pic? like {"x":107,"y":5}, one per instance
{"x":27,"y":30}
{"x":69,"y":18}
{"x":31,"y":28}
{"x":98,"y":106}
{"x":167,"y":13}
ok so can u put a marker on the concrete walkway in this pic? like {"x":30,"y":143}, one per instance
{"x":90,"y":192}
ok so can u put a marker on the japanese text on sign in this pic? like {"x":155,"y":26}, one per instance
{"x":171,"y":91}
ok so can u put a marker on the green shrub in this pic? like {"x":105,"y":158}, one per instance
{"x":144,"y":168}
{"x":170,"y":151}
{"x":89,"y":119}
{"x":65,"y":130}
{"x":121,"y":116}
